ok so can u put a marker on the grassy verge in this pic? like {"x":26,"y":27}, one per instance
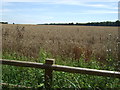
{"x":31,"y":77}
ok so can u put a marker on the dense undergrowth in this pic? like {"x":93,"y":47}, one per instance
{"x":31,"y":77}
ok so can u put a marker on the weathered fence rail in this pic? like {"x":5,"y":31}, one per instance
{"x":49,"y":66}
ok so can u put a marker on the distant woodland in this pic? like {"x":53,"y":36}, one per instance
{"x":106,"y":23}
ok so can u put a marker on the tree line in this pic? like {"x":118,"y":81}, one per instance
{"x":107,"y":23}
{"x":3,"y":22}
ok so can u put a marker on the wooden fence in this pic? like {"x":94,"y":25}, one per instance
{"x":49,"y":66}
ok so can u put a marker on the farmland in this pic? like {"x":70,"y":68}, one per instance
{"x":61,"y":40}
{"x":82,"y":46}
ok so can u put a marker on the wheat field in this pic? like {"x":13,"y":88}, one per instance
{"x":75,"y":42}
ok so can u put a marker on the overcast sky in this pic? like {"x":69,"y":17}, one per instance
{"x":58,"y":11}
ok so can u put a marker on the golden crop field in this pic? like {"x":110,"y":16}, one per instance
{"x":65,"y":41}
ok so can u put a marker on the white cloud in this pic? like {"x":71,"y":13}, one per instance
{"x":93,"y":12}
{"x":100,"y":11}
{"x":69,"y":2}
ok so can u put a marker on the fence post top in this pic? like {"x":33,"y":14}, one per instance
{"x":49,"y":61}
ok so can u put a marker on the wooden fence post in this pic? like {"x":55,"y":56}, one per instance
{"x":48,"y":73}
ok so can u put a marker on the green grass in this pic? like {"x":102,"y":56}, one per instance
{"x":31,"y":77}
